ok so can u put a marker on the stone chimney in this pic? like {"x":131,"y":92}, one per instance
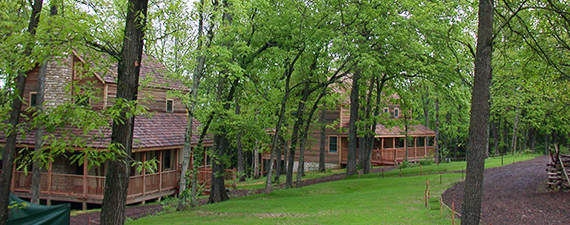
{"x":59,"y":75}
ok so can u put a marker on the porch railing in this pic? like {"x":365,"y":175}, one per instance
{"x":94,"y":186}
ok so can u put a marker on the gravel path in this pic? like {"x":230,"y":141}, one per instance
{"x":517,"y":194}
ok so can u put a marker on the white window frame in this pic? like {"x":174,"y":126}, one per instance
{"x":329,"y":144}
{"x":396,"y":112}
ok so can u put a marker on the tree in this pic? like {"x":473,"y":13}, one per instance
{"x":480,"y":110}
{"x":129,"y":60}
{"x":9,"y":151}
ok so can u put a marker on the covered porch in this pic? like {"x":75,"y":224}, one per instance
{"x":392,"y":150}
{"x":68,"y":181}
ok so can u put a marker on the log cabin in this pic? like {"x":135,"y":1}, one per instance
{"x":389,"y":146}
{"x":159,"y":135}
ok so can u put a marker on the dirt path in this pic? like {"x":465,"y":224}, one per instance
{"x":517,"y":194}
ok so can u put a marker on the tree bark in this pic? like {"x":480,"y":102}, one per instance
{"x":296,"y":134}
{"x":255,"y":163}
{"x":9,"y":151}
{"x":240,"y":169}
{"x":352,"y":132}
{"x":515,"y":129}
{"x":322,"y":139}
{"x":366,"y":149}
{"x":39,"y":142}
{"x":117,"y":176}
{"x":436,"y":138}
{"x":480,"y":110}
{"x":288,"y":73}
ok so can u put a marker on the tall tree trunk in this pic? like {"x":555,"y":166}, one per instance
{"x":288,"y":73}
{"x":191,"y":107}
{"x":117,"y":176}
{"x":515,"y":129}
{"x":240,"y":158}
{"x":39,"y":142}
{"x":425,"y":100}
{"x":436,"y":138}
{"x":296,"y":134}
{"x":352,"y":132}
{"x":322,"y":139}
{"x":10,"y":148}
{"x":533,"y":141}
{"x":255,"y":163}
{"x":480,"y":110}
{"x":368,"y":139}
{"x":278,"y":150}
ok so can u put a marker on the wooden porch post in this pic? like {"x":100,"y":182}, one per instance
{"x":85,"y":161}
{"x":415,"y":147}
{"x":160,"y":170}
{"x":425,"y":146}
{"x":49,"y":183}
{"x":143,"y":173}
{"x":395,"y":151}
{"x":382,"y":150}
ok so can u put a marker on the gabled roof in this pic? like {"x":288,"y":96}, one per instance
{"x":159,"y":131}
{"x":152,"y":71}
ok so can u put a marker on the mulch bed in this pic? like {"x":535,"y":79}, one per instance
{"x":517,"y":194}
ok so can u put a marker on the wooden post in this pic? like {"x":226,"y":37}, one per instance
{"x":452,"y":213}
{"x":382,"y":172}
{"x":160,"y":170}
{"x":234,"y":177}
{"x":440,"y":207}
{"x":415,"y":148}
{"x":425,"y":147}
{"x":85,"y":161}
{"x":50,"y":166}
{"x":144,"y":173}
{"x":395,"y":151}
{"x":381,"y":152}
{"x":426,"y":194}
{"x":440,"y":178}
{"x":461,"y":173}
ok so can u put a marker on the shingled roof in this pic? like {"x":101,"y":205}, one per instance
{"x":152,"y":71}
{"x":161,"y":130}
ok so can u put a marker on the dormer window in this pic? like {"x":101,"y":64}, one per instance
{"x":33,"y":99}
{"x":169,"y":105}
{"x":386,"y":110}
{"x":396,"y":113}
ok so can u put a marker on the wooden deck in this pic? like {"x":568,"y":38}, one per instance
{"x":90,"y":189}
{"x":393,"y":156}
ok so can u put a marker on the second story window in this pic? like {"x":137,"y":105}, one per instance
{"x":81,"y":100}
{"x":169,"y":105}
{"x":396,"y":113}
{"x":386,"y":110}
{"x":33,"y":99}
{"x":333,"y":144}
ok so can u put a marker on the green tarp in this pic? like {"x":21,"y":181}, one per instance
{"x":23,"y":212}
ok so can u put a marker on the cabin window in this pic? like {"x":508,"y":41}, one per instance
{"x":167,"y":160}
{"x":82,"y":100}
{"x":386,"y":110}
{"x":169,"y":105}
{"x":420,"y":142}
{"x":333,"y":144}
{"x":33,"y":99}
{"x":396,"y":113}
{"x":400,"y":142}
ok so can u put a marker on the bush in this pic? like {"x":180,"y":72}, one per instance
{"x":426,"y":162}
{"x":405,"y":164}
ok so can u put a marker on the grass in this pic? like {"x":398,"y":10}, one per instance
{"x":260,"y":183}
{"x":369,"y":200}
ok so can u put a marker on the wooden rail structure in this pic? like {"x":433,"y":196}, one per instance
{"x":558,"y":171}
{"x":90,"y":189}
{"x":393,"y":156}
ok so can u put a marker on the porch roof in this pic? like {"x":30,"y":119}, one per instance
{"x":158,"y":131}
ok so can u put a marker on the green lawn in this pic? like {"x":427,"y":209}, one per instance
{"x":368,"y":200}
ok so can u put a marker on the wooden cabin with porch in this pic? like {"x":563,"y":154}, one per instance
{"x":157,"y":136}
{"x":390,"y":145}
